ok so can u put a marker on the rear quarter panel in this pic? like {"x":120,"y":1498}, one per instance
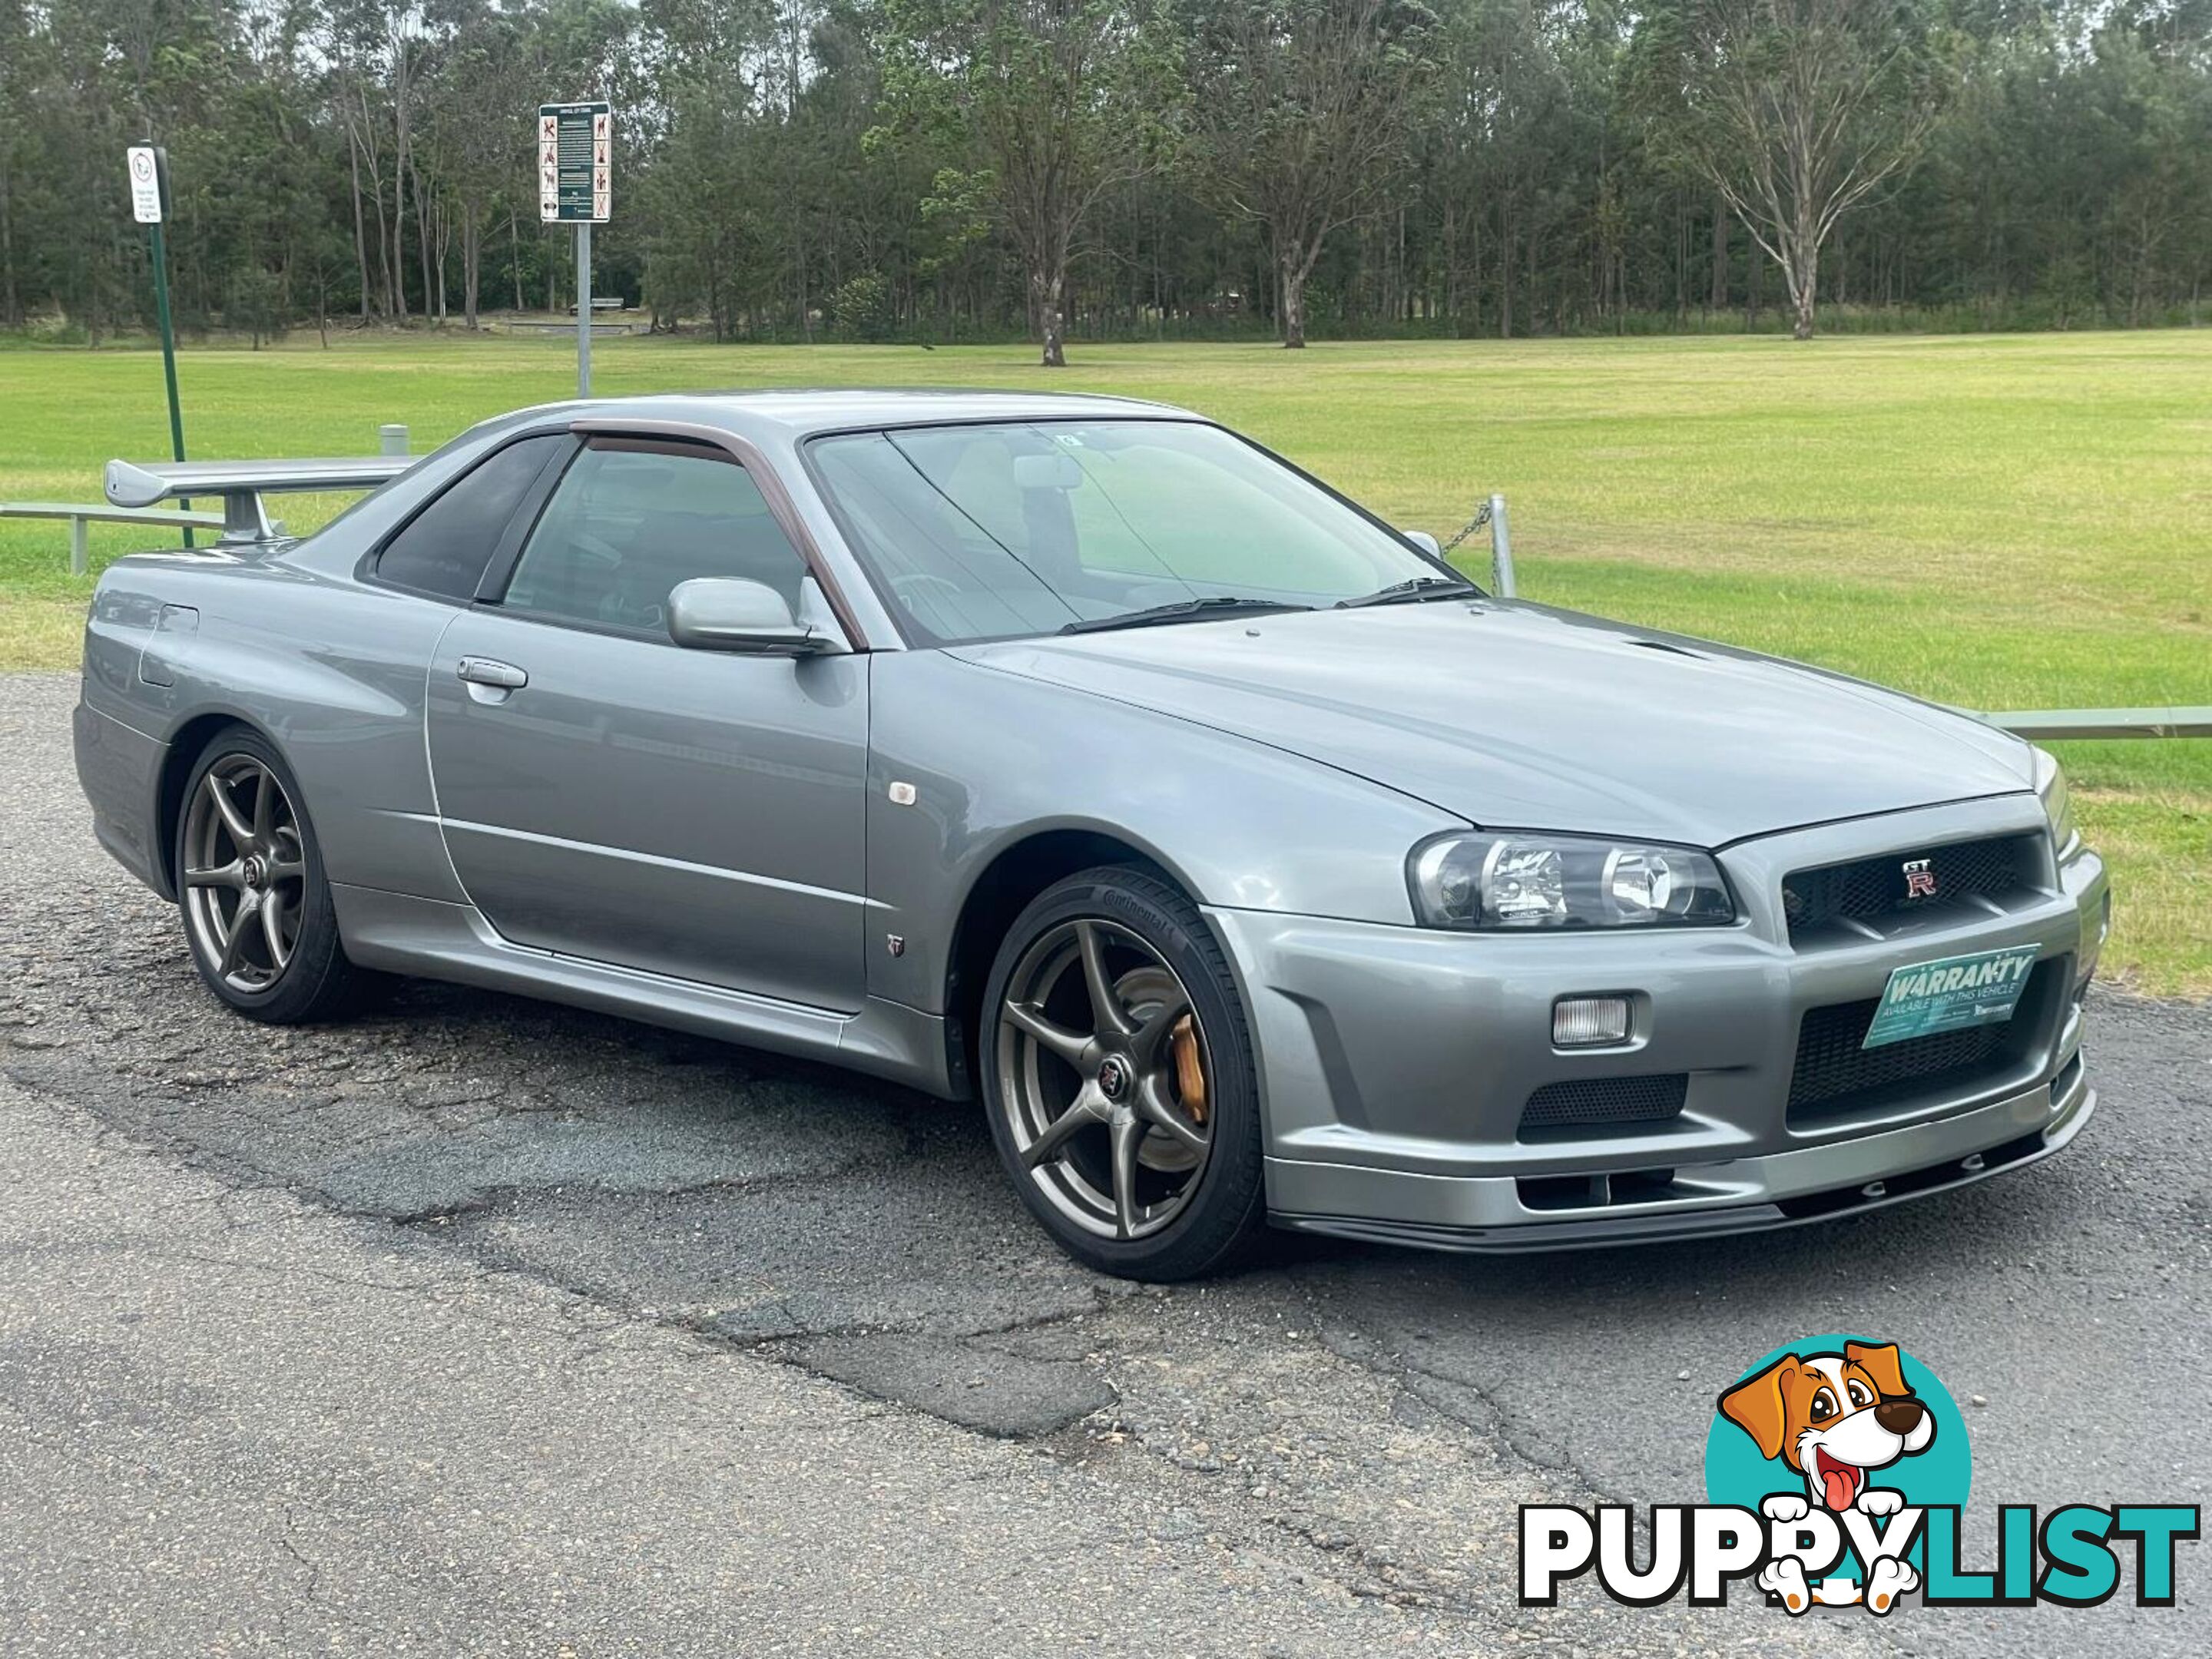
{"x":329,"y":670}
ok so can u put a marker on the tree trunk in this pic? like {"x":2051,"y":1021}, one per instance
{"x":1505,"y":279}
{"x":399,"y":226}
{"x":1297,"y":269}
{"x":472,"y":263}
{"x":1473,"y":329}
{"x":434,"y":303}
{"x":360,"y":227}
{"x":1804,"y":286}
{"x":799,"y":268}
{"x":383,"y":249}
{"x":1718,"y":301}
{"x":11,"y":297}
{"x":1046,"y":288}
{"x":514,"y":256}
{"x":1451,"y":267}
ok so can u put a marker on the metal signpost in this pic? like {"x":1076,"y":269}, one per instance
{"x":574,"y":144}
{"x":149,"y":199}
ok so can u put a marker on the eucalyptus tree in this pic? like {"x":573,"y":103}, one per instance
{"x":705,"y":196}
{"x":477,"y":125}
{"x":2152,"y":102}
{"x":1301,"y":120}
{"x":1056,"y":103}
{"x":17,"y":79}
{"x":866,"y":209}
{"x":957,"y":168}
{"x":1796,"y":111}
{"x":369,"y":48}
{"x":1506,"y":99}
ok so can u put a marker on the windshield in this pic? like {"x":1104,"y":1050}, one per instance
{"x":982,"y":532}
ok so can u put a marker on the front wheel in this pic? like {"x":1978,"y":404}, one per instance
{"x":1118,"y":1075}
{"x":257,"y":908}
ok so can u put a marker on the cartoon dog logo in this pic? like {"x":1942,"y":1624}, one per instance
{"x":1833,"y":1419}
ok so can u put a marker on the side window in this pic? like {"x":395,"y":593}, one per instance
{"x":628,"y":525}
{"x":443,"y":549}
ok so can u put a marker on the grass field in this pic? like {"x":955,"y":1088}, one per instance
{"x":1998,"y":521}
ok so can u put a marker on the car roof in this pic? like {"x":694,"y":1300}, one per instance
{"x":797,"y":413}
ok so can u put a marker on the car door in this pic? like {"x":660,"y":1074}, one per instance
{"x":608,"y":794}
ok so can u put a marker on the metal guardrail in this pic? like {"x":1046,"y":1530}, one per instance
{"x":133,"y":491}
{"x":2039,"y":724}
{"x":2044,"y":724}
{"x":82,"y":517}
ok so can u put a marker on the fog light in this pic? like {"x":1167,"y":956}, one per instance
{"x":1588,"y":1022}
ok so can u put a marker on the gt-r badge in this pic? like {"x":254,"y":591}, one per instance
{"x":1919,"y":879}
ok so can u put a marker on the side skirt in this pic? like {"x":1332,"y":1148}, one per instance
{"x":431,"y":938}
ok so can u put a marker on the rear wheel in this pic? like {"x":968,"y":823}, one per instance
{"x":257,"y":908}
{"x":1117,"y":1069}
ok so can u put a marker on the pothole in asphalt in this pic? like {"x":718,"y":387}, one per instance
{"x":973,"y":1384}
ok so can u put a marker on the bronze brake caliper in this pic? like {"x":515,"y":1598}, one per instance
{"x":1190,"y":1074}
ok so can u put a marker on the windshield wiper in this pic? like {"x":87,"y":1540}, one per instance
{"x":1218,"y":605}
{"x":1413,"y":589}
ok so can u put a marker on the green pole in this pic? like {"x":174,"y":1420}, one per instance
{"x":168,"y":353}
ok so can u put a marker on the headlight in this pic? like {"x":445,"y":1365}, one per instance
{"x":2058,"y":804}
{"x":1469,"y":880}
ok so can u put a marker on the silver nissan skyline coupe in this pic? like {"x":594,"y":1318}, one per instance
{"x":1251,"y":864}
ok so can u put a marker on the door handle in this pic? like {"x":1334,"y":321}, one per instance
{"x":487,"y":670}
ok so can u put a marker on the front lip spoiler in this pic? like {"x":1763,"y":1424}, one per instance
{"x":1598,"y":1232}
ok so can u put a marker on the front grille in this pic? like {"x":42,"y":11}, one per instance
{"x":1607,"y":1100}
{"x":1879,"y":886}
{"x":1834,"y":1076}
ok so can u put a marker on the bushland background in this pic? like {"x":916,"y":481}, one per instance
{"x":950,"y":170}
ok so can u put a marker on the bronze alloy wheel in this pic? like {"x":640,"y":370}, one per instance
{"x":244,"y":875}
{"x":1104,"y":1078}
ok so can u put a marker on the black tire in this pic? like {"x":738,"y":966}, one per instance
{"x":1220,"y":1214}
{"x":315,"y":981}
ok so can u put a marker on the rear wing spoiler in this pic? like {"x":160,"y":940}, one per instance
{"x":242,"y":485}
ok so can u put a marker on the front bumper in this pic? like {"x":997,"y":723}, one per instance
{"x":1396,"y":1063}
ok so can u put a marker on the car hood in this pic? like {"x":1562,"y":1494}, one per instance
{"x":1516,"y":716}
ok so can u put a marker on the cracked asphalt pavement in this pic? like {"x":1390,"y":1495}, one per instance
{"x":484,"y":1326}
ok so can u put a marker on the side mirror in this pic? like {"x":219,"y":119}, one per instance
{"x":1428,"y":544}
{"x":722,"y":613}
